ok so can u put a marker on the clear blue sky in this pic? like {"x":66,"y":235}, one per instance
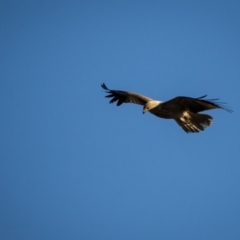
{"x":75,"y":167}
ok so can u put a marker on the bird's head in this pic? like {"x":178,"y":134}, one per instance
{"x":150,"y":105}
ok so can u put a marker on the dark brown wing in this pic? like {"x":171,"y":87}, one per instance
{"x":125,"y":97}
{"x":196,"y":105}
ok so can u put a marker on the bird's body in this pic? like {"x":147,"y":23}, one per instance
{"x":184,"y":110}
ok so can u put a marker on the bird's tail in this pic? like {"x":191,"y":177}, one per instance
{"x":194,"y":122}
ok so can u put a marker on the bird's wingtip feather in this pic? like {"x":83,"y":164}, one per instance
{"x":103,"y":85}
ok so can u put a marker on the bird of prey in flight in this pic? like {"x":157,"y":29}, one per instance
{"x":184,"y":110}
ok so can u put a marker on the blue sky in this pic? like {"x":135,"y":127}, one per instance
{"x":75,"y":167}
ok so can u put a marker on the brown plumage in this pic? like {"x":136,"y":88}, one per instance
{"x":184,"y":110}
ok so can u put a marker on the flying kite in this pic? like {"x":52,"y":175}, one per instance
{"x":184,"y":110}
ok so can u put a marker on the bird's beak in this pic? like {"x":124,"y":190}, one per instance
{"x":143,"y":111}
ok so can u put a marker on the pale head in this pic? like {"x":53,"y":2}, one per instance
{"x":150,"y":105}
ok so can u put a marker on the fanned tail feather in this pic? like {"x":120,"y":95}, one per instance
{"x":194,"y":122}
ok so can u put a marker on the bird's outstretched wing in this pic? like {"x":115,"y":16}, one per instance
{"x":195,"y":105}
{"x":125,"y":97}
